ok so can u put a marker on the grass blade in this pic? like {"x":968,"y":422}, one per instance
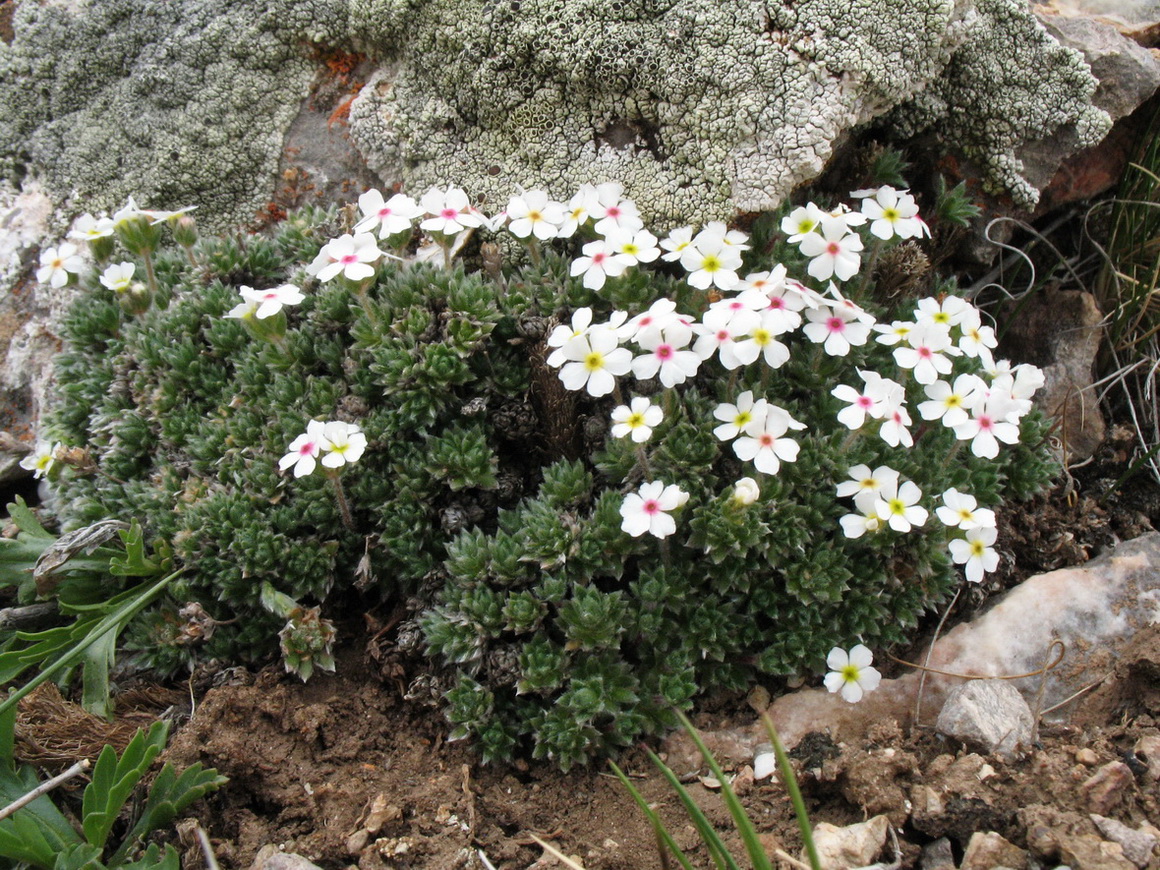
{"x":795,"y":795}
{"x":709,"y":836}
{"x":664,"y":838}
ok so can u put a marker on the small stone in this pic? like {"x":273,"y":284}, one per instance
{"x":851,"y":846}
{"x":926,"y":806}
{"x":1137,"y":845}
{"x":1089,"y":852}
{"x":381,"y":813}
{"x":990,"y":714}
{"x":938,"y":855}
{"x":357,"y":841}
{"x":764,"y":762}
{"x":1087,"y":757}
{"x":284,"y":861}
{"x":1104,"y":788}
{"x":989,"y":851}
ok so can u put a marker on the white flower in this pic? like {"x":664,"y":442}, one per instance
{"x":591,"y":361}
{"x":717,"y":233}
{"x":739,"y":417}
{"x":951,"y":311}
{"x":599,"y":262}
{"x":533,"y":214}
{"x":676,"y":242}
{"x":763,"y":443}
{"x":746,"y":491}
{"x":988,"y":425}
{"x":304,"y":449}
{"x":576,"y":213}
{"x":119,"y":276}
{"x":640,"y":246}
{"x":247,"y":309}
{"x":719,"y":328}
{"x":637,"y":419}
{"x":959,"y":510}
{"x":449,"y":212}
{"x":873,"y":401}
{"x":715,"y":263}
{"x":897,"y":331}
{"x":666,"y":356}
{"x":270,"y":301}
{"x":851,"y":673}
{"x":57,"y":263}
{"x":661,"y":315}
{"x":41,"y":460}
{"x":836,"y":329}
{"x":391,"y":216}
{"x":760,"y":342}
{"x":951,"y":403}
{"x":975,"y":553}
{"x":893,"y":429}
{"x":927,"y":354}
{"x":561,"y":335}
{"x":88,"y":228}
{"x":801,"y":221}
{"x":127,"y":212}
{"x":611,"y":212}
{"x":892,"y":213}
{"x":882,"y":479}
{"x":349,"y":256}
{"x":901,"y":510}
{"x":345,"y":443}
{"x":646,"y":509}
{"x":857,"y":525}
{"x":834,"y":252}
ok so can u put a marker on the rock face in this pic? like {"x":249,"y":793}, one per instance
{"x":1095,"y":610}
{"x":699,"y":110}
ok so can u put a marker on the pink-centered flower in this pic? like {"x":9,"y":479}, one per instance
{"x":304,"y":450}
{"x":647,"y":509}
{"x":834,"y":252}
{"x":666,"y":355}
{"x":599,"y":262}
{"x":349,"y":256}
{"x":448,"y":212}
{"x":765,"y":445}
{"x":271,"y":301}
{"x":390,"y":216}
{"x":836,"y":329}
{"x":987,"y":426}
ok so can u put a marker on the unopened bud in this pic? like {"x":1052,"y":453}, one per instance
{"x":136,"y":299}
{"x":185,"y":231}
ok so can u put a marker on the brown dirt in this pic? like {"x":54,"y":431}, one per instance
{"x":313,"y":766}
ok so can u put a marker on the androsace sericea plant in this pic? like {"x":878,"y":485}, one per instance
{"x":611,"y":471}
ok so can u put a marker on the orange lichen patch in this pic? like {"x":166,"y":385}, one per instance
{"x":342,"y":113}
{"x":341,"y":64}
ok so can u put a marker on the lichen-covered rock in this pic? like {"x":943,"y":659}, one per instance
{"x":699,"y":110}
{"x":1008,"y":86}
{"x":173,"y":103}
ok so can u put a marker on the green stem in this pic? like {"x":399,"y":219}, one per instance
{"x":150,"y":276}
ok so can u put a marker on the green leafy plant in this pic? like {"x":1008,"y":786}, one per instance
{"x":76,"y":571}
{"x":477,"y":484}
{"x":39,"y":834}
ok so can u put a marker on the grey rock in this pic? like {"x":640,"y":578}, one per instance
{"x":989,"y":714}
{"x":938,"y":855}
{"x":1137,"y":845}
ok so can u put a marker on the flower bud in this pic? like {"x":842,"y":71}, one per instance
{"x":745,"y":491}
{"x":102,"y":248}
{"x":185,"y":231}
{"x":135,"y":299}
{"x":138,"y":234}
{"x":307,"y":641}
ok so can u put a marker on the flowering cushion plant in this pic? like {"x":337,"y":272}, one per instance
{"x":600,"y":487}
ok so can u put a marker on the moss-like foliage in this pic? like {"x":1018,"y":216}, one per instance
{"x":488,"y":494}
